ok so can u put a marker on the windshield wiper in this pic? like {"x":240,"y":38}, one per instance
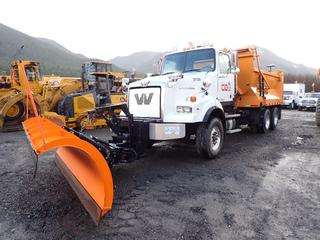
{"x":193,"y":70}
{"x":167,"y":73}
{"x":199,"y":69}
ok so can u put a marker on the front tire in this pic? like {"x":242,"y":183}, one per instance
{"x":210,"y":139}
{"x":15,"y":112}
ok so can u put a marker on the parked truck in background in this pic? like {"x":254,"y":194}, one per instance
{"x":292,"y":93}
{"x":309,"y":101}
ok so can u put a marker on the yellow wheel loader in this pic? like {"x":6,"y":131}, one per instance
{"x":47,"y":92}
{"x":77,"y":110}
{"x":66,"y":101}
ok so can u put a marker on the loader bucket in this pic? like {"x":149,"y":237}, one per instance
{"x":80,"y":162}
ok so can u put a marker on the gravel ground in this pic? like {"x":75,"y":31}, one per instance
{"x":260,"y":187}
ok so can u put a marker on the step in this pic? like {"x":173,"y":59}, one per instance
{"x":228,"y":116}
{"x":234,"y":131}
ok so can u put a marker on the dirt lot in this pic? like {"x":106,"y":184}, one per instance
{"x":261,"y":187}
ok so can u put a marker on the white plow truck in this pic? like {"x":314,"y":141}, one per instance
{"x":197,"y":98}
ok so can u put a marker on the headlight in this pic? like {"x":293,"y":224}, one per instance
{"x":184,"y":109}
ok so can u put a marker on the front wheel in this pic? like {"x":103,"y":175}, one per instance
{"x":15,"y":112}
{"x":210,"y":139}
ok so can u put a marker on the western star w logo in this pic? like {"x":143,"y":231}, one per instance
{"x":143,"y":99}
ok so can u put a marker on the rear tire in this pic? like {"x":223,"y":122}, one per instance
{"x":210,"y":139}
{"x":318,"y":113}
{"x":274,"y":118}
{"x":264,"y":121}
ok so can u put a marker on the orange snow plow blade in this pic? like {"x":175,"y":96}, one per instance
{"x":80,"y":162}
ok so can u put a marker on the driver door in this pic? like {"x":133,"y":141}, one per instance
{"x":226,"y":83}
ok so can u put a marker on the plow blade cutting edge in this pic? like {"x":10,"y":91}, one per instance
{"x":80,"y":162}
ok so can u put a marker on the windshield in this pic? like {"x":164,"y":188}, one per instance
{"x":288,"y":92}
{"x":196,"y":60}
{"x":31,"y":73}
{"x":312,"y":95}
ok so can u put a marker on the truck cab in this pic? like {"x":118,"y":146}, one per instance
{"x":192,"y":84}
{"x":194,"y":80}
{"x":292,"y":94}
{"x":31,"y":69}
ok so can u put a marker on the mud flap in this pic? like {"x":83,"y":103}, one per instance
{"x":80,"y":162}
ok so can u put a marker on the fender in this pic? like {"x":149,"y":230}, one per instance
{"x":215,"y":111}
{"x":210,"y":111}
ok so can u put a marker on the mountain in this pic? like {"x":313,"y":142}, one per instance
{"x":145,"y":62}
{"x":267,"y":57}
{"x":53,"y":57}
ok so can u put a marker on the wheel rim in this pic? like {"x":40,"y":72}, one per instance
{"x":13,"y":111}
{"x":215,"y":138}
{"x":267,"y":121}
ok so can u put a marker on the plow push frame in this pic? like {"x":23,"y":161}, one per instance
{"x":85,"y":161}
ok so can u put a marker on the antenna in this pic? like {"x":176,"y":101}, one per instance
{"x":18,"y":51}
{"x":270,"y":66}
{"x":16,"y":54}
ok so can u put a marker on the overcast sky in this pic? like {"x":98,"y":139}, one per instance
{"x":105,"y":29}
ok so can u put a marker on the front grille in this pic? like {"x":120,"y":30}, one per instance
{"x":308,"y":102}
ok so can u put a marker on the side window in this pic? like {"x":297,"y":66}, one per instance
{"x":224,"y":63}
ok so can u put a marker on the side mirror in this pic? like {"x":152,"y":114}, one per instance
{"x":235,"y":71}
{"x":206,"y":84}
{"x":234,"y":60}
{"x":125,"y":84}
{"x":125,"y":81}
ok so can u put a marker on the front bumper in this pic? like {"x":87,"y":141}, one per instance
{"x":166,"y":131}
{"x":308,"y":106}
